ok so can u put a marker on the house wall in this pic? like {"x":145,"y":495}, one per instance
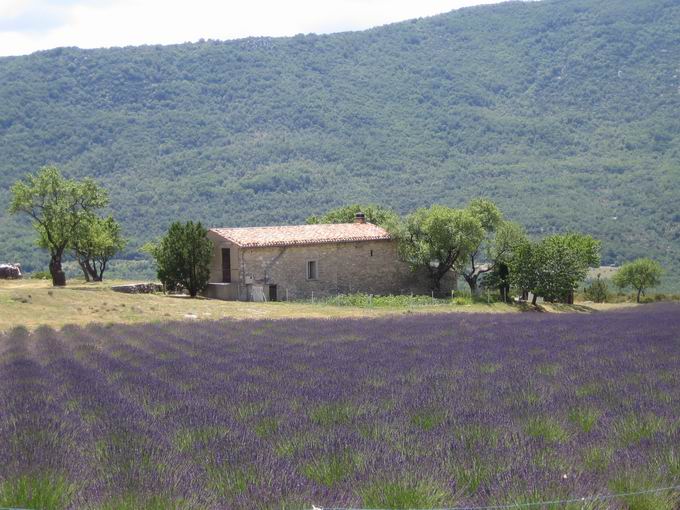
{"x":216,"y":288}
{"x":369,"y":266}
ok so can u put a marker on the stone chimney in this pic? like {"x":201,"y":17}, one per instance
{"x":359,"y":218}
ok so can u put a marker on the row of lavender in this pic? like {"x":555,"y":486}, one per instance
{"x":419,"y":412}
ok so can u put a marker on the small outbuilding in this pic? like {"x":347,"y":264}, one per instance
{"x":304,"y":261}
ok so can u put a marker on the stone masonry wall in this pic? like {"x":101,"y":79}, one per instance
{"x":368,"y":266}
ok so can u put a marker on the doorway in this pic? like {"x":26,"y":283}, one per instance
{"x":226,"y":265}
{"x":272,"y":293}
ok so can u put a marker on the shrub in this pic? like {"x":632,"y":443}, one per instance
{"x":183,"y":257}
{"x":597,"y":290}
{"x":40,"y":275}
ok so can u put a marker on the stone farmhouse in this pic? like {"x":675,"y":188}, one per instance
{"x":305,"y":261}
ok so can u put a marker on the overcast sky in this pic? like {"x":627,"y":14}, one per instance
{"x":31,"y":25}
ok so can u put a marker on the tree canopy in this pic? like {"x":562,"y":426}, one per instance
{"x":554,"y":266}
{"x":374,"y":213}
{"x":490,"y":217}
{"x":639,"y":274}
{"x":97,"y":241}
{"x":438,"y":239}
{"x":59,"y":208}
{"x":183,"y":257}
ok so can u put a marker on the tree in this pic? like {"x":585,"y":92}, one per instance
{"x":97,"y":241}
{"x":597,"y":290}
{"x":376,"y":214}
{"x":438,"y":239}
{"x":183,"y":257}
{"x":524,"y":268}
{"x":640,"y":274}
{"x":499,"y":239}
{"x":554,"y":266}
{"x":58,"y":207}
{"x":502,"y":248}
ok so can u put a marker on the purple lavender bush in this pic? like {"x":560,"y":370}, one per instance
{"x":400,"y":412}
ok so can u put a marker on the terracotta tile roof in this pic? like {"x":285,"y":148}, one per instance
{"x":252,"y":237}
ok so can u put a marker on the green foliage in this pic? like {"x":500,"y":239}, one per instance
{"x":96,"y":242}
{"x":228,"y":481}
{"x":496,"y":248}
{"x":40,"y":275}
{"x":329,"y":415}
{"x":41,"y":491}
{"x":597,"y":290}
{"x":376,"y":214}
{"x":487,"y":213}
{"x":405,"y":494}
{"x":585,"y":418}
{"x":554,"y":266}
{"x":640,"y":274}
{"x":362,"y":300}
{"x":333,"y":469}
{"x":183,"y":257}
{"x":427,"y":419}
{"x":633,"y":429}
{"x":137,"y":502}
{"x":564,"y":262}
{"x":562,"y":112}
{"x":59,"y":208}
{"x":438,"y":238}
{"x":191,"y":439}
{"x":545,"y":428}
{"x":267,"y":427}
{"x":635,"y":482}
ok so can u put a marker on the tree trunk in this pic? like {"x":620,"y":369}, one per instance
{"x":58,"y":275}
{"x":84,"y":269}
{"x":92,"y":270}
{"x":99,"y":270}
{"x":504,"y":290}
{"x":472,"y":282}
{"x":638,"y":295}
{"x":533,"y":299}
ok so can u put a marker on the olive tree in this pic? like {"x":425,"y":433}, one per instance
{"x":553,"y":267}
{"x":489,"y":217}
{"x":640,"y":274}
{"x":438,"y":239}
{"x":502,"y":248}
{"x":58,"y":207}
{"x":98,"y":240}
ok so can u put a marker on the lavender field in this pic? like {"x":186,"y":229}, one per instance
{"x":406,"y":412}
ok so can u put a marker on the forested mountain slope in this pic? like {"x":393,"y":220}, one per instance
{"x":566,"y":112}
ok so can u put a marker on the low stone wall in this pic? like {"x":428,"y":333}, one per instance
{"x":138,"y":288}
{"x":10,"y":271}
{"x":226,"y":291}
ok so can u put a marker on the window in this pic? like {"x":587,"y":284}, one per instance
{"x":312,"y":272}
{"x":371,"y":253}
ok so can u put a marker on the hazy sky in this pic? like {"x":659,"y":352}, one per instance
{"x":31,"y":25}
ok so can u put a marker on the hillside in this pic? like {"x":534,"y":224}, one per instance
{"x":565,"y":112}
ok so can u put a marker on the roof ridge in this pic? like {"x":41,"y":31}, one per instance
{"x":289,"y":226}
{"x":289,"y":235}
